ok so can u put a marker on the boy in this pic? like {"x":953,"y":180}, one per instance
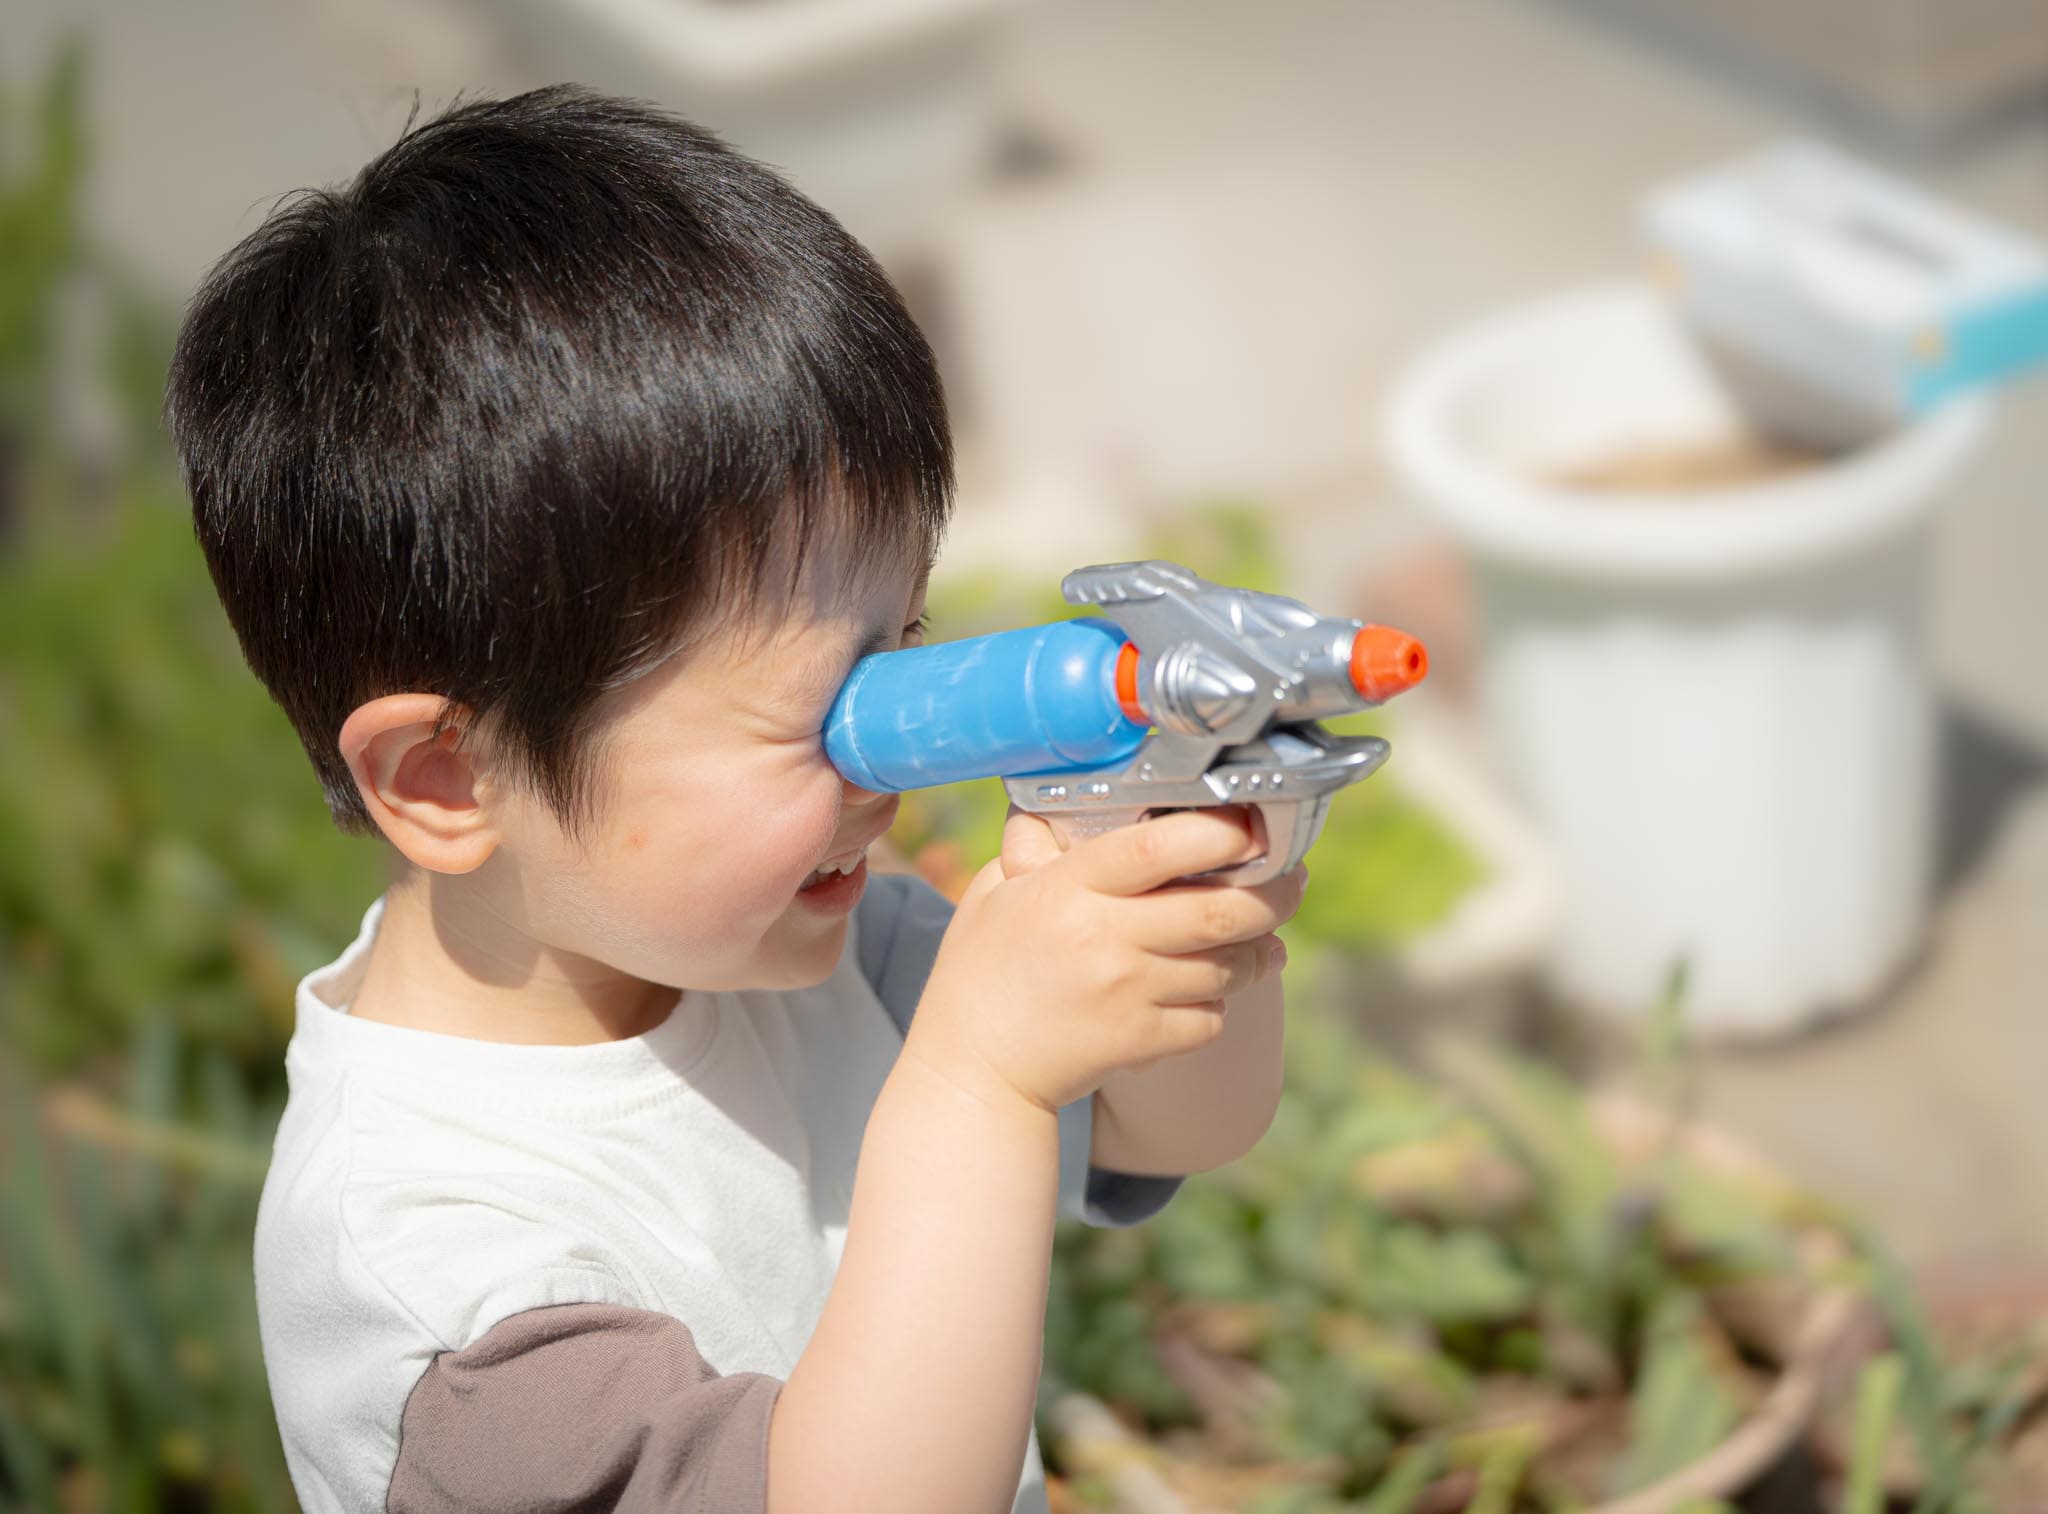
{"x":554,"y":474}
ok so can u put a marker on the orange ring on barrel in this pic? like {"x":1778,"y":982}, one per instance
{"x":1127,"y":685}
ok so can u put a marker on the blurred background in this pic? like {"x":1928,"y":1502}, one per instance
{"x":1668,"y":1016}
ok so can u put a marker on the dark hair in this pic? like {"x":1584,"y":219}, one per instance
{"x":539,"y":392}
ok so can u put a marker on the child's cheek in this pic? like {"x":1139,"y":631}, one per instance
{"x":794,"y":836}
{"x":740,"y":854}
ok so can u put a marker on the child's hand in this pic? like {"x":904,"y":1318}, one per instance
{"x":1082,"y":962}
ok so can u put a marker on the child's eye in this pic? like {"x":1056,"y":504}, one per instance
{"x":914,"y":633}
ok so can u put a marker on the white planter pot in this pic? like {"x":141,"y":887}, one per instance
{"x":1715,"y":702}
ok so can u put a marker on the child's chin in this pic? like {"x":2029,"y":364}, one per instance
{"x":807,"y":962}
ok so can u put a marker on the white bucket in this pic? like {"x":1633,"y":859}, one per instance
{"x":1714,"y":701}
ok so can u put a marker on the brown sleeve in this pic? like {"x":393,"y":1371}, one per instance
{"x":583,"y":1407}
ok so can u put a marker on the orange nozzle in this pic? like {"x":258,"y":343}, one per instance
{"x":1385,"y":661}
{"x":1127,"y":685}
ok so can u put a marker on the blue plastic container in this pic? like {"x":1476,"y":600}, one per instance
{"x":1039,"y":700}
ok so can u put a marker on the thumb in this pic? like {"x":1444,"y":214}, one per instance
{"x":1029,"y":842}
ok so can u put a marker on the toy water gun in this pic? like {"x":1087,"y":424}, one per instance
{"x":1182,"y":694}
{"x":1838,"y":300}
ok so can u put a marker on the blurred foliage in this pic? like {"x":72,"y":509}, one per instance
{"x":1451,"y":1284}
{"x":1952,"y":1416}
{"x":131,"y":1377}
{"x":167,"y":871}
{"x":163,"y":847}
{"x":1466,"y":1290}
{"x":1385,"y":868}
{"x":39,"y":244}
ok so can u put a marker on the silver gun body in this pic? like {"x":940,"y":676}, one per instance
{"x":1235,"y":682}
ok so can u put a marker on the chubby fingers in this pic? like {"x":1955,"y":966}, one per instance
{"x":1135,"y":859}
{"x":1184,"y":1028}
{"x":1198,"y":916}
{"x":1209,"y":977}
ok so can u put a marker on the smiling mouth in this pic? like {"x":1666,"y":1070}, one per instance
{"x":834,"y":867}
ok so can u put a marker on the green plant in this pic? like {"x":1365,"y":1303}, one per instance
{"x":130,"y":1373}
{"x":163,"y":847}
{"x":1464,"y":1272}
{"x":39,"y":242}
{"x":166,"y":872}
{"x":162,"y":843}
{"x":1947,"y":1420}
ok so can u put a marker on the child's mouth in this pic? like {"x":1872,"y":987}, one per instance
{"x":837,"y":884}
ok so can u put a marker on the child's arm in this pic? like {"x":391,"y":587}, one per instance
{"x":916,"y":1392}
{"x":1201,"y":1110}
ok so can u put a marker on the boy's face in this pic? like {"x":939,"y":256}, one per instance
{"x":718,"y":810}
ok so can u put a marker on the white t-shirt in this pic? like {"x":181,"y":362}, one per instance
{"x":493,"y":1276}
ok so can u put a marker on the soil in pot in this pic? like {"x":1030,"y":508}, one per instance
{"x":1666,"y":467}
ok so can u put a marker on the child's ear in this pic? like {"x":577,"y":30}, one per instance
{"x":420,"y":788}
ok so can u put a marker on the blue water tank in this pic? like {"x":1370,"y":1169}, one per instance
{"x":1039,"y":700}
